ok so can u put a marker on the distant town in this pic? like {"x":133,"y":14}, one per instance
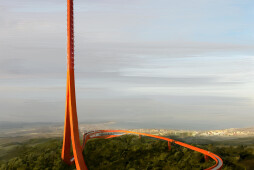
{"x":232,"y":132}
{"x":241,"y":132}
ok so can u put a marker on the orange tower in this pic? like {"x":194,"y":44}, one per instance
{"x":71,"y":131}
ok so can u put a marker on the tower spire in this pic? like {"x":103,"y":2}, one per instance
{"x":71,"y":131}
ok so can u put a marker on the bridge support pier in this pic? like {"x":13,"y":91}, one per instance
{"x":169,"y":145}
{"x":206,"y":158}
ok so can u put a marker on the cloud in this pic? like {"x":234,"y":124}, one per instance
{"x":176,"y":59}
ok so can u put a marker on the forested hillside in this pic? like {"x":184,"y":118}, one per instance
{"x":126,"y":152}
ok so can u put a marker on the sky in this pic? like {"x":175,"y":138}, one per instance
{"x":185,"y":64}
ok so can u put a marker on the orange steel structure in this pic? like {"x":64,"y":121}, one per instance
{"x":106,"y":134}
{"x":71,"y":131}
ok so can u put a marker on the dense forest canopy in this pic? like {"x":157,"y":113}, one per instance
{"x":125,"y":152}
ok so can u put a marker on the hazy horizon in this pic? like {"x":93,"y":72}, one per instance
{"x":186,"y":63}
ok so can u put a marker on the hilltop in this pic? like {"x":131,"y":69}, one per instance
{"x":235,"y":146}
{"x":125,"y":152}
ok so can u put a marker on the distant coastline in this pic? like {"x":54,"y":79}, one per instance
{"x":42,"y":129}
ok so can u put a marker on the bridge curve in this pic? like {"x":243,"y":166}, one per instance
{"x":106,"y":134}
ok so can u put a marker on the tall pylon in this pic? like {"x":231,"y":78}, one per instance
{"x":71,"y":131}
